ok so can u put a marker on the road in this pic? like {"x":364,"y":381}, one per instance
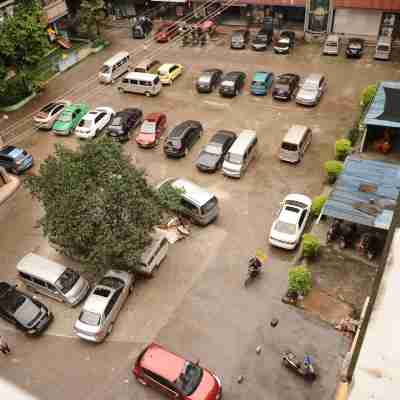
{"x":196,"y":305}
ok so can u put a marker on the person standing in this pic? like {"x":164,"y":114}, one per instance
{"x":4,"y":348}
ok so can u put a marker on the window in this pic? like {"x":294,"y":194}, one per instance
{"x":160,"y":380}
{"x":112,"y":302}
{"x":39,"y":282}
{"x":25,"y":276}
{"x":189,"y":206}
{"x":51,"y":288}
{"x":156,"y":80}
{"x":99,"y":117}
{"x":301,"y":219}
{"x":134,"y":82}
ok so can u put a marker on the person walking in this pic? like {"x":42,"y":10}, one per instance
{"x":4,"y":348}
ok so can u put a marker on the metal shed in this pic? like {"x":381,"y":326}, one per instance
{"x":365,"y":193}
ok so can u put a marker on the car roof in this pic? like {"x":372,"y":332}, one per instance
{"x":140,"y":75}
{"x":73,"y":107}
{"x":162,"y":362}
{"x":221,"y":136}
{"x":233,"y":74}
{"x":91,"y":115}
{"x":115,"y":58}
{"x":295,"y":134}
{"x":180,"y":129}
{"x":154,"y":117}
{"x":193,"y":192}
{"x":314,"y":77}
{"x":166,"y":66}
{"x":39,"y":266}
{"x":8,"y":149}
{"x":261,"y":75}
{"x":288,"y":216}
{"x":242,"y":141}
{"x":284,"y":78}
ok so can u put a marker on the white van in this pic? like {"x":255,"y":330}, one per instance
{"x":114,"y":67}
{"x":52,"y":279}
{"x":383,"y":48}
{"x":295,"y":143}
{"x":153,"y":255}
{"x":240,"y":154}
{"x":137,"y":82}
{"x":332,"y":45}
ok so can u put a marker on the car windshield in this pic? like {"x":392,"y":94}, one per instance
{"x":213,"y":148}
{"x":210,"y":205}
{"x":289,"y":146}
{"x":149,"y":127}
{"x":285,"y":228}
{"x":117,"y":121}
{"x":65,"y":116}
{"x":67,"y":280}
{"x":90,"y":318}
{"x":26,"y":311}
{"x":48,"y":108}
{"x":189,"y":379}
{"x":355,"y":45}
{"x":257,"y":83}
{"x":383,"y":48}
{"x":283,"y":42}
{"x":331,"y":44}
{"x":234,"y":158}
{"x":229,"y":83}
{"x":205,"y":79}
{"x":105,"y":69}
{"x":85,"y":123}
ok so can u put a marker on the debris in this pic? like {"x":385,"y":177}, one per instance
{"x":240,"y":379}
{"x":176,"y":229}
{"x":258,"y":349}
{"x":274,"y":322}
{"x":347,"y":325}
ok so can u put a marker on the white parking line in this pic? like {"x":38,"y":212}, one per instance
{"x":215,"y":103}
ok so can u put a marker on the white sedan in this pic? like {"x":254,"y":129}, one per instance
{"x":93,"y":122}
{"x":288,"y":227}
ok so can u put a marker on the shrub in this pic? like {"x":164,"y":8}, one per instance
{"x":310,"y":245}
{"x":15,"y":90}
{"x":368,"y":94}
{"x":299,"y":280}
{"x":353,"y":134}
{"x":333,"y":169}
{"x":342,"y":149}
{"x":317,"y":204}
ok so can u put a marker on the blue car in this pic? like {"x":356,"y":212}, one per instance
{"x":261,"y":82}
{"x":15,"y":160}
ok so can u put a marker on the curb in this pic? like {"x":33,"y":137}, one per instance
{"x":20,"y":104}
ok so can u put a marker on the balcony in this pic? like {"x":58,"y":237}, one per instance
{"x":54,"y":9}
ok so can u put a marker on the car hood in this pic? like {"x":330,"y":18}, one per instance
{"x":285,"y":237}
{"x":27,"y":313}
{"x":207,"y":389}
{"x":60,"y":125}
{"x":146,"y":138}
{"x":208,"y":160}
{"x":307,"y":94}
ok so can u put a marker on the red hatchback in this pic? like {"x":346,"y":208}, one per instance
{"x":151,"y":130}
{"x":174,"y":376}
{"x":166,"y":32}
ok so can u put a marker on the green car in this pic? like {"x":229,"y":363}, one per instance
{"x":69,"y":119}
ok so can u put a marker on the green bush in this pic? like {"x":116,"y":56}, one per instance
{"x":317,"y":204}
{"x":333,"y":169}
{"x":15,"y":90}
{"x":342,"y":149}
{"x":368,"y":94}
{"x":310,"y":245}
{"x":353,"y":134}
{"x":299,"y":280}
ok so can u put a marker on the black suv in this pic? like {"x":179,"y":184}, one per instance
{"x":232,"y":83}
{"x":182,"y":138}
{"x":261,"y":41}
{"x":355,"y":48}
{"x":122,"y":122}
{"x":142,"y":27}
{"x":26,"y":313}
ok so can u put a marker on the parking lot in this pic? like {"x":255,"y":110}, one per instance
{"x":196,"y":304}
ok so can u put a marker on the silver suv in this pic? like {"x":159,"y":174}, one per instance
{"x":102,"y":306}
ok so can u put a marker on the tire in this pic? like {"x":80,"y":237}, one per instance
{"x":147,"y":94}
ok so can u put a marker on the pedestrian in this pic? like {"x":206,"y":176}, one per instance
{"x":4,"y":348}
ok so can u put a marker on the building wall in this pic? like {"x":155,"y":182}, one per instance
{"x":357,"y":22}
{"x":384,"y":5}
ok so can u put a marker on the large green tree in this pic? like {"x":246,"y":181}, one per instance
{"x":91,"y":12}
{"x":98,"y":207}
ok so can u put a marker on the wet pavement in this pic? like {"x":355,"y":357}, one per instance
{"x":196,"y":304}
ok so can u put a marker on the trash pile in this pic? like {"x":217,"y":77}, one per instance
{"x":175,"y":229}
{"x":348,"y":326}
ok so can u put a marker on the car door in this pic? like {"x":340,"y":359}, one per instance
{"x":100,"y":121}
{"x":160,"y":383}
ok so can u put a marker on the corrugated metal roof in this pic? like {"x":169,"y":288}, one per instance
{"x":377,"y":107}
{"x":374,"y":205}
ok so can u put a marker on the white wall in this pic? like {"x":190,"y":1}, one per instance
{"x":357,"y":22}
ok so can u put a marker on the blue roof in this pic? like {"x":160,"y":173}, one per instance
{"x":365,"y":193}
{"x":378,"y":114}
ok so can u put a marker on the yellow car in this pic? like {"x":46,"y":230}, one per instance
{"x":169,"y":72}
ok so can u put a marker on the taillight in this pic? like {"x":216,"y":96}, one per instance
{"x":136,"y":370}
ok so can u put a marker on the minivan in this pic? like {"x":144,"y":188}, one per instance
{"x":198,"y":204}
{"x":295,"y":143}
{"x":261,"y":82}
{"x":240,"y":154}
{"x":114,"y":67}
{"x":137,"y":82}
{"x":52,"y":279}
{"x":383,"y":48}
{"x":332,"y":45}
{"x":153,"y":255}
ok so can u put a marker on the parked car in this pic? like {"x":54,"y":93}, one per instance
{"x":285,"y":42}
{"x":169,"y":72}
{"x":261,"y":41}
{"x":26,"y":313}
{"x":355,"y":48}
{"x":332,"y":45}
{"x":93,"y":122}
{"x":152,"y":128}
{"x":182,"y":138}
{"x":208,"y":80}
{"x":175,"y":376}
{"x":212,"y":155}
{"x":46,"y":117}
{"x":142,"y":27}
{"x":261,"y":83}
{"x":240,"y":38}
{"x":292,"y":218}
{"x":69,"y":119}
{"x":286,"y":86}
{"x":166,"y":32}
{"x":122,"y":123}
{"x":311,"y":90}
{"x":14,"y":159}
{"x":232,"y":83}
{"x":147,"y":66}
{"x":101,"y":308}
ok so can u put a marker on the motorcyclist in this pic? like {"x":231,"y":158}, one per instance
{"x":255,"y":265}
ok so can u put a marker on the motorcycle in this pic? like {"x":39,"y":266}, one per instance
{"x":253,"y":270}
{"x":333,"y":231}
{"x":369,"y":245}
{"x":305,"y":369}
{"x":347,"y":234}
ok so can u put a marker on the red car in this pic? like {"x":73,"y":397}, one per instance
{"x":174,"y":376}
{"x":166,"y":32}
{"x":151,"y":130}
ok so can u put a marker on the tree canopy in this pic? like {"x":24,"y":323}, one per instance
{"x":98,"y":207}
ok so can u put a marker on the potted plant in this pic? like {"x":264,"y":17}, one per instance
{"x":342,"y":149}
